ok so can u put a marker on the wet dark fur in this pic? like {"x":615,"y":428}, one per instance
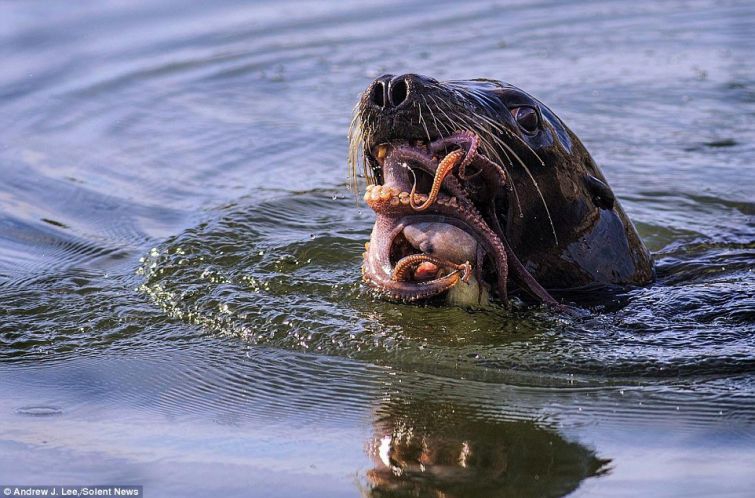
{"x":559,"y":214}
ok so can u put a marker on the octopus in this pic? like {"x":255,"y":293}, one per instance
{"x":445,"y":239}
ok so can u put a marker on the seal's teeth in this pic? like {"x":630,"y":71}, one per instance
{"x":452,"y":202}
{"x":403,"y":195}
{"x":395,"y":201}
{"x":420,"y":197}
{"x":394,"y":191}
{"x":404,"y":200}
{"x":375,"y":194}
{"x":385,"y":194}
{"x":441,"y":201}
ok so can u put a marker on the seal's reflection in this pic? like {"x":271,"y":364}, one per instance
{"x":428,"y":448}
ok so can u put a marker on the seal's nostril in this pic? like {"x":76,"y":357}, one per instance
{"x":378,"y":94}
{"x":399,"y":92}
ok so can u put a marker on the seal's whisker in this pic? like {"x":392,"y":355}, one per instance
{"x":358,"y":132}
{"x":508,"y":172}
{"x":503,"y":129}
{"x":504,"y":147}
{"x":535,"y":184}
{"x":490,"y":139}
{"x":451,"y":121}
{"x":369,"y":174}
{"x":432,"y":114}
{"x":495,"y":156}
{"x":355,"y":138}
{"x":483,"y":134}
{"x":422,"y":120}
{"x":519,"y":139}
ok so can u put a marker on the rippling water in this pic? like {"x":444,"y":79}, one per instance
{"x":180,"y":304}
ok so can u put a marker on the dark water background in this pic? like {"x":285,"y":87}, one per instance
{"x":179,"y":289}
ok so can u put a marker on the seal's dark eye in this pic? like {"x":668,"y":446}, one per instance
{"x":527,"y":118}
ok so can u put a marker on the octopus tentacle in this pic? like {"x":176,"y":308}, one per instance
{"x":405,"y":264}
{"x":444,"y":168}
{"x":429,"y":165}
{"x":468,"y":141}
{"x":525,"y":280}
{"x":414,"y":291}
{"x":405,"y":290}
{"x":494,"y":170}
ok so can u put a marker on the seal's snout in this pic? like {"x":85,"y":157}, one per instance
{"x":396,"y":107}
{"x":391,"y":92}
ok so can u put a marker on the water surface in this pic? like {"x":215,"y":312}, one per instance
{"x":180,"y":304}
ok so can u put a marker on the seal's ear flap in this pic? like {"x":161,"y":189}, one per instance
{"x":601,"y":194}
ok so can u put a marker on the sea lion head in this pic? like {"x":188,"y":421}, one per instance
{"x":529,"y":192}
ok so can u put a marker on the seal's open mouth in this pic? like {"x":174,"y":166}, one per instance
{"x":429,"y":237}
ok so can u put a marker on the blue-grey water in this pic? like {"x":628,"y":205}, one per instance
{"x":180,"y":299}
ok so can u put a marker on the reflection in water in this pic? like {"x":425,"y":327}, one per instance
{"x":427,"y":448}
